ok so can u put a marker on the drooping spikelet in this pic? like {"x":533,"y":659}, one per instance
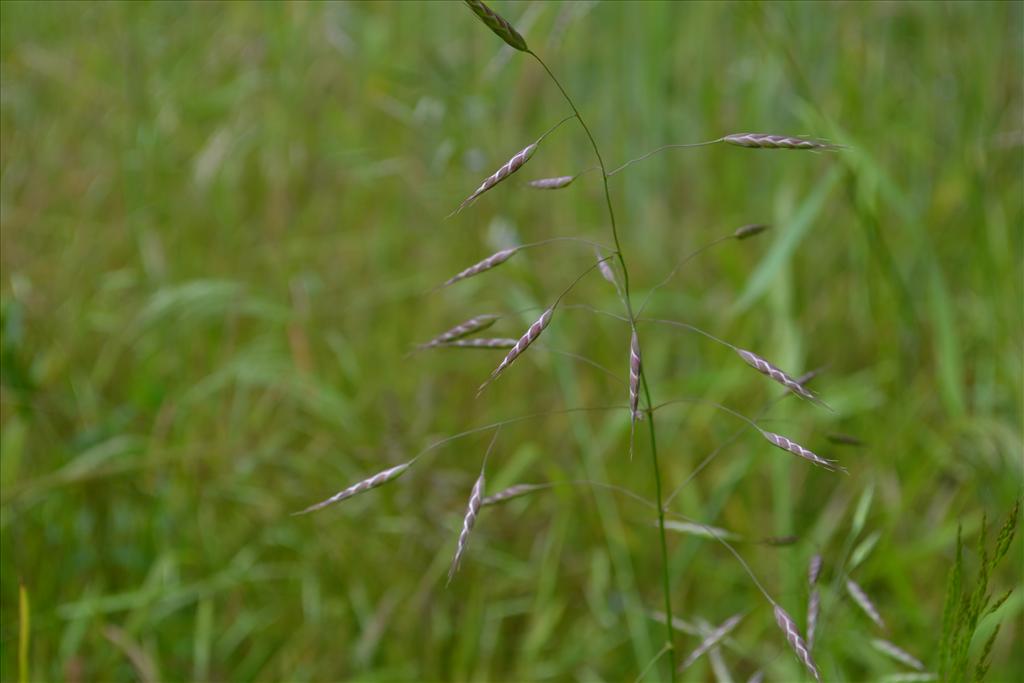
{"x":494,"y":343}
{"x":512,"y":492}
{"x":796,"y":449}
{"x":605,"y":267}
{"x":498,"y":24}
{"x":796,"y":643}
{"x":472,"y":510}
{"x":813,"y":608}
{"x":864,"y":602}
{"x":510,"y":167}
{"x":556,"y":183}
{"x":364,"y":485}
{"x":711,"y":640}
{"x":471,"y":326}
{"x":495,"y":259}
{"x":814,"y":570}
{"x":773,"y":372}
{"x":521,"y":346}
{"x":766,"y":141}
{"x":747,"y":231}
{"x":897,"y":653}
{"x":634,"y":377}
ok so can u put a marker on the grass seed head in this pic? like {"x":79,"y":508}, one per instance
{"x":766,"y":141}
{"x":634,"y":376}
{"x":521,"y":346}
{"x":796,"y":449}
{"x":511,"y":492}
{"x":491,"y":261}
{"x":773,"y":372}
{"x":897,"y":653}
{"x":711,"y":640}
{"x":813,"y":607}
{"x":748,"y":231}
{"x":814,"y":570}
{"x":364,"y":485}
{"x":510,"y":167}
{"x":796,"y":643}
{"x":556,"y":183}
{"x":864,"y":602}
{"x":493,"y":343}
{"x":498,"y":24}
{"x":471,"y":326}
{"x":472,"y":510}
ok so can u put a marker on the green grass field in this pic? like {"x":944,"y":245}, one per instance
{"x":220,"y":225}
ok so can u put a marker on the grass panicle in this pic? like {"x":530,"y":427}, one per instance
{"x":796,"y":449}
{"x":468,"y":521}
{"x":860,"y":597}
{"x":508,"y":168}
{"x":634,"y":377}
{"x":766,"y":141}
{"x":357,"y":488}
{"x":497,"y":23}
{"x":796,"y":643}
{"x":711,"y":640}
{"x":464,"y":329}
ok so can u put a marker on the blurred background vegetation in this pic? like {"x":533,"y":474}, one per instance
{"x":219,"y":223}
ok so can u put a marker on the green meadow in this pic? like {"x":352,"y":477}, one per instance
{"x":222,"y":227}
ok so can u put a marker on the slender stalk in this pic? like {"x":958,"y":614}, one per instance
{"x":643,"y":377}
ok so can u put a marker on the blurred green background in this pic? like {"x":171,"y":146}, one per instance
{"x":220,"y":223}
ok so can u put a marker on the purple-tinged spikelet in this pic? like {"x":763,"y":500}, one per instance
{"x":748,"y":231}
{"x":556,"y":183}
{"x":711,"y":640}
{"x":796,"y":449}
{"x":521,"y":346}
{"x":897,"y":653}
{"x":512,"y":492}
{"x":634,"y":377}
{"x":773,"y":372}
{"x":471,"y":326}
{"x":814,"y":570}
{"x":864,"y":602}
{"x":813,"y":608}
{"x":796,"y":643}
{"x":498,"y":24}
{"x":510,"y":167}
{"x":472,"y":510}
{"x":495,"y":343}
{"x":766,"y":141}
{"x":605,"y":267}
{"x":495,"y":259}
{"x":365,"y":485}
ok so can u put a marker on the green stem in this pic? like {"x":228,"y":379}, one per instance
{"x":666,"y":586}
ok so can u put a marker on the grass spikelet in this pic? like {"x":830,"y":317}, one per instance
{"x":813,"y":609}
{"x":472,"y":510}
{"x":766,"y":141}
{"x":512,"y":492}
{"x":864,"y":602}
{"x":492,"y":343}
{"x":773,"y":372}
{"x":711,"y":640}
{"x":796,"y":449}
{"x":464,"y":329}
{"x":634,"y":377}
{"x":510,"y":167}
{"x":364,"y":485}
{"x":497,"y":23}
{"x":796,"y":643}
{"x":495,"y":259}
{"x":897,"y":653}
{"x":747,"y":231}
{"x":520,"y":346}
{"x":556,"y":183}
{"x":605,"y":267}
{"x":814,"y":570}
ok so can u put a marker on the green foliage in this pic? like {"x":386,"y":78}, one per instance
{"x":964,"y":609}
